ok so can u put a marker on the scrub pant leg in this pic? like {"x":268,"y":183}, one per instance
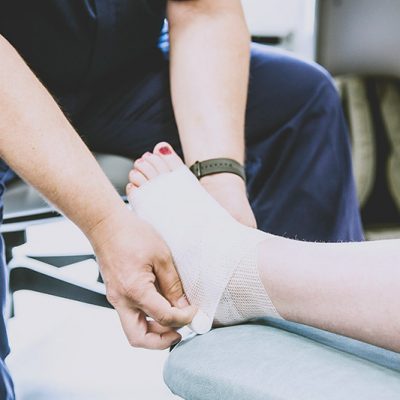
{"x":6,"y":384}
{"x":300,"y":181}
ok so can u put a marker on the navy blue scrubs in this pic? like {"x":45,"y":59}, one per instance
{"x":100,"y":59}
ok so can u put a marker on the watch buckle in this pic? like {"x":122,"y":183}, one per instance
{"x":197,"y":169}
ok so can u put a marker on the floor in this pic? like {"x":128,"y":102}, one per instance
{"x":72,"y":351}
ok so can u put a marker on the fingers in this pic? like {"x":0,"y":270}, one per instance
{"x":133,"y":272}
{"x":157,"y":307}
{"x":146,"y":334}
{"x":169,"y":282}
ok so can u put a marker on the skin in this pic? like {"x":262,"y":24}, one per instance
{"x":36,"y":140}
{"x":352,"y":289}
{"x":217,"y":31}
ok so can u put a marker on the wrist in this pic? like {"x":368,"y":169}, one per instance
{"x":223,"y":179}
{"x":216,"y":166}
{"x":106,"y":227}
{"x":205,"y":153}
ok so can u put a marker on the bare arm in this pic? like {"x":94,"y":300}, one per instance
{"x":37,"y":141}
{"x":209,"y":75}
{"x":210,"y":52}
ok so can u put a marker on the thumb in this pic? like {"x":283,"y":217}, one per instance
{"x":169,"y":282}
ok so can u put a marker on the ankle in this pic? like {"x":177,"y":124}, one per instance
{"x":274,"y":274}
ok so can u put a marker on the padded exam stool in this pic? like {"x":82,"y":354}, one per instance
{"x":267,"y":360}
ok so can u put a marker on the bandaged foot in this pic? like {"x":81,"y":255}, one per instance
{"x":215,"y":256}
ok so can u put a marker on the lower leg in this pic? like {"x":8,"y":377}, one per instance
{"x":348,"y":288}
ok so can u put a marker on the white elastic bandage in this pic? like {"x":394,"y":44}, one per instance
{"x":210,"y":249}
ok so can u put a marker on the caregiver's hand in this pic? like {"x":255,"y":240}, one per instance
{"x":134,"y":262}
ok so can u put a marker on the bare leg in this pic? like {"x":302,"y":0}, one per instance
{"x":348,"y":288}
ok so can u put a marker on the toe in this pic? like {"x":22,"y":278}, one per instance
{"x":130,"y":187}
{"x":137,"y":178}
{"x":167,"y":153}
{"x":157,"y":162}
{"x":143,"y":166}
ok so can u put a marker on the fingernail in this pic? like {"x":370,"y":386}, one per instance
{"x":165,"y":150}
{"x":182,"y":302}
{"x":146,"y":154}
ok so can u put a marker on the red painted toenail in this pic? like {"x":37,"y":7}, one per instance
{"x":165,"y":150}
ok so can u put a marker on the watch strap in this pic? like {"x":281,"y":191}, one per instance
{"x":217,"y":166}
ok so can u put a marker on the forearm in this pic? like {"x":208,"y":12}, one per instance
{"x":38,"y":142}
{"x":209,"y":77}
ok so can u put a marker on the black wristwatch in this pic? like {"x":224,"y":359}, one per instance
{"x":217,"y":166}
